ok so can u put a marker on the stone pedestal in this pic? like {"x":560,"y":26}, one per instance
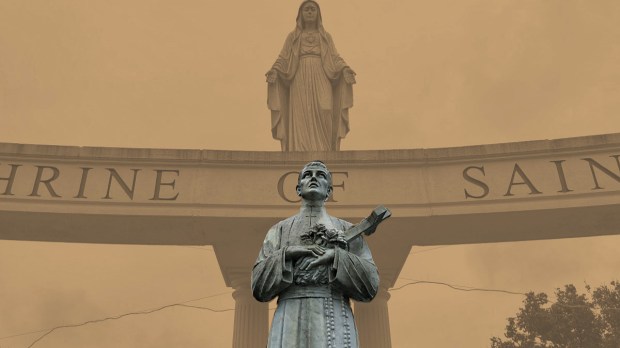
{"x":373,"y":322}
{"x":251,"y":319}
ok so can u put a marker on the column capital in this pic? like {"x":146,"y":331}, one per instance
{"x":240,"y":278}
{"x":382,"y":295}
{"x":251,"y":318}
{"x":243,"y":293}
{"x":373,"y":321}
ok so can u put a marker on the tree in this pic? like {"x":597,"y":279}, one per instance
{"x":607,"y":299}
{"x":574,"y":320}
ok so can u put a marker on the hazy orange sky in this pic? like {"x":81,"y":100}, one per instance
{"x":190,"y":74}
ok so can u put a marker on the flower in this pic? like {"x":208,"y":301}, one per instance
{"x":324,"y":237}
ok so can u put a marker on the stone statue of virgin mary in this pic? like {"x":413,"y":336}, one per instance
{"x":309,"y":88}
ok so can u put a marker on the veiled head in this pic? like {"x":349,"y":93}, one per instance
{"x":305,"y":11}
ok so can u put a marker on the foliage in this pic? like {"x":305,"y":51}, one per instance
{"x":574,"y":320}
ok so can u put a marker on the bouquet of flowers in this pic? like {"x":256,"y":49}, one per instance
{"x":326,"y":238}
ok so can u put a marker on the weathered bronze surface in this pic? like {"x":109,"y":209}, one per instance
{"x":315,"y":263}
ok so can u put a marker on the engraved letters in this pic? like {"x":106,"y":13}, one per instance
{"x":482,"y":185}
{"x":10,"y":179}
{"x":602,"y":174}
{"x":289,"y":179}
{"x":476,"y":181}
{"x":47,"y":181}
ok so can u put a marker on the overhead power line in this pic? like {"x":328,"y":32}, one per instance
{"x":120,"y":316}
{"x":455,"y":287}
{"x":126,"y":315}
{"x":467,"y":288}
{"x":151,"y":310}
{"x":185,"y":304}
{"x":427,"y":250}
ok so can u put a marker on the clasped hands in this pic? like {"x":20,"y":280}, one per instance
{"x":321,"y":255}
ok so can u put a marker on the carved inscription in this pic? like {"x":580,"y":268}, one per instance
{"x":477,"y":186}
{"x":289,"y":179}
{"x":481,"y":184}
{"x":517,"y":179}
{"x":45,"y":182}
{"x":10,"y":180}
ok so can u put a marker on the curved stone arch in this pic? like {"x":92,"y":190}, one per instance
{"x":488,"y":193}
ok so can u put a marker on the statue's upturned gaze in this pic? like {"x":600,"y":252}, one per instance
{"x":315,"y":263}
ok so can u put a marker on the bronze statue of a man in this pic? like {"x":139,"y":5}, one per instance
{"x":314,"y":270}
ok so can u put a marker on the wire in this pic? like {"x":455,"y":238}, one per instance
{"x":467,"y":288}
{"x":195,"y":247}
{"x":427,"y":250}
{"x":125,"y":315}
{"x":181,"y":303}
{"x":185,"y":304}
{"x":145,"y":312}
{"x":456,"y":287}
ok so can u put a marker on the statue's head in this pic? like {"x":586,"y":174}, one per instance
{"x":309,"y":10}
{"x":314,"y":182}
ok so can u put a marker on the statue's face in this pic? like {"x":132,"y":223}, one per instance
{"x":310,"y":12}
{"x":314,"y":183}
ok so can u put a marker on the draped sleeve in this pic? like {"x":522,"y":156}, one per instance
{"x":337,"y":63}
{"x":278,"y":91}
{"x":272,"y":273}
{"x":286,"y":62}
{"x":334,"y":65}
{"x":354,"y":271}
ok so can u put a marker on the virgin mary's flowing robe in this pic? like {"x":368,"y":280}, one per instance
{"x":310,"y":99}
{"x":313,"y":315}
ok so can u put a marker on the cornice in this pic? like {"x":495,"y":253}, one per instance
{"x":534,"y":148}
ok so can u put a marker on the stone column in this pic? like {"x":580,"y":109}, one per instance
{"x":251,"y":318}
{"x":373,"y":321}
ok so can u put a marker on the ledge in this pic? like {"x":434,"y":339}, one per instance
{"x":514,"y":149}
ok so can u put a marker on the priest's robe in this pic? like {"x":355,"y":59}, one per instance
{"x":313,"y":315}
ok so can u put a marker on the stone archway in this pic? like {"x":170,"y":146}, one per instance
{"x":489,"y":193}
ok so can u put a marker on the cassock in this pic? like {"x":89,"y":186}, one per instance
{"x":314,"y":311}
